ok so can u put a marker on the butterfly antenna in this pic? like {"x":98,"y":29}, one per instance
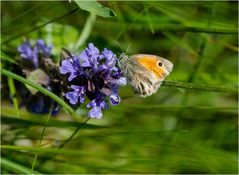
{"x":117,"y":43}
{"x":122,"y":51}
{"x":127,"y":49}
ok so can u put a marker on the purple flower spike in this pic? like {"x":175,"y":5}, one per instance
{"x":77,"y":95}
{"x":37,"y":66}
{"x":97,"y":76}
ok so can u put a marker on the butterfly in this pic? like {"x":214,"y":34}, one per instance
{"x":144,"y":72}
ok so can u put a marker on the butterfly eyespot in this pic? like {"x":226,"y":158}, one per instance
{"x":160,"y":64}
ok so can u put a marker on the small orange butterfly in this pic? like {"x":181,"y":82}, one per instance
{"x":145,"y":73}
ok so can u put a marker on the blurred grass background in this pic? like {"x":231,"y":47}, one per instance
{"x":175,"y":131}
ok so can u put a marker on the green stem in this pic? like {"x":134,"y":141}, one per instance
{"x":200,"y":87}
{"x":74,"y":133}
{"x":42,"y":135}
{"x":176,"y":107}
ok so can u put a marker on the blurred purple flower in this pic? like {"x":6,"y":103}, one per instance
{"x":28,"y":52}
{"x":95,"y":75}
{"x":42,"y":47}
{"x":35,"y":55}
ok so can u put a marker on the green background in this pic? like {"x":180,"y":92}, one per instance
{"x":176,"y":130}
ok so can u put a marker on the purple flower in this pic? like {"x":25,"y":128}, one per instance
{"x":95,"y":75}
{"x":77,"y":95}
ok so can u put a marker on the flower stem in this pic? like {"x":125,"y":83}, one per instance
{"x":200,"y":87}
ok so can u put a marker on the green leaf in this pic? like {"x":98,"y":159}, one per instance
{"x":96,"y":8}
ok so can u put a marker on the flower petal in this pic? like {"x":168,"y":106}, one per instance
{"x":77,"y":95}
{"x":121,"y":81}
{"x":84,"y":58}
{"x":71,"y":66}
{"x":103,"y":104}
{"x":27,"y":52}
{"x":91,"y":104}
{"x":93,"y":51}
{"x":46,"y":50}
{"x":66,"y":67}
{"x":114,"y":99}
{"x":109,"y":56}
{"x":89,"y":56}
{"x":72,"y":97}
{"x":95,"y":112}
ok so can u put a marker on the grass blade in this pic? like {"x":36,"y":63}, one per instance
{"x":28,"y":119}
{"x":52,"y":123}
{"x":12,"y":166}
{"x":176,"y":107}
{"x":13,"y":94}
{"x":41,"y":138}
{"x":86,"y":31}
{"x":7,"y":58}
